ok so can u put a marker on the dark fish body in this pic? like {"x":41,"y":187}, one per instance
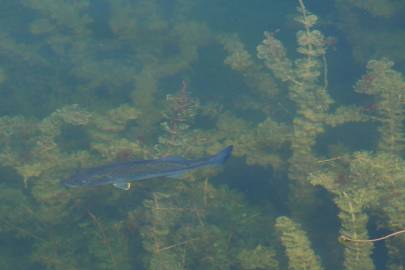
{"x":120,"y":174}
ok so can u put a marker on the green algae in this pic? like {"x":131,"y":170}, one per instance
{"x":97,"y":108}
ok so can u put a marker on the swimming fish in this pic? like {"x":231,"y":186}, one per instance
{"x":121,"y":174}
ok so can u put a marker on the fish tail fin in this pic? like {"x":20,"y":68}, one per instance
{"x":221,"y":156}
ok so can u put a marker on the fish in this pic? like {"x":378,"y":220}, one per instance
{"x":121,"y":174}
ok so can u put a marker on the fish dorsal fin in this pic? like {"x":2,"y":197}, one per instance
{"x":123,"y":186}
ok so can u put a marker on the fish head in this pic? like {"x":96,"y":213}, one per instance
{"x":87,"y":178}
{"x":77,"y":180}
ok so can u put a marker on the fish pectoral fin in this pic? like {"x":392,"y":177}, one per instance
{"x":124,"y":186}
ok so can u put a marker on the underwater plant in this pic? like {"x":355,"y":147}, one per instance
{"x":102,"y":101}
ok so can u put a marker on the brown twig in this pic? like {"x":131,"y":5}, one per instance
{"x":329,"y":159}
{"x":347,"y":238}
{"x":103,"y":236}
{"x":178,"y":244}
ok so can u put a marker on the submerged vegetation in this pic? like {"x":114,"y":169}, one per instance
{"x":85,"y":84}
